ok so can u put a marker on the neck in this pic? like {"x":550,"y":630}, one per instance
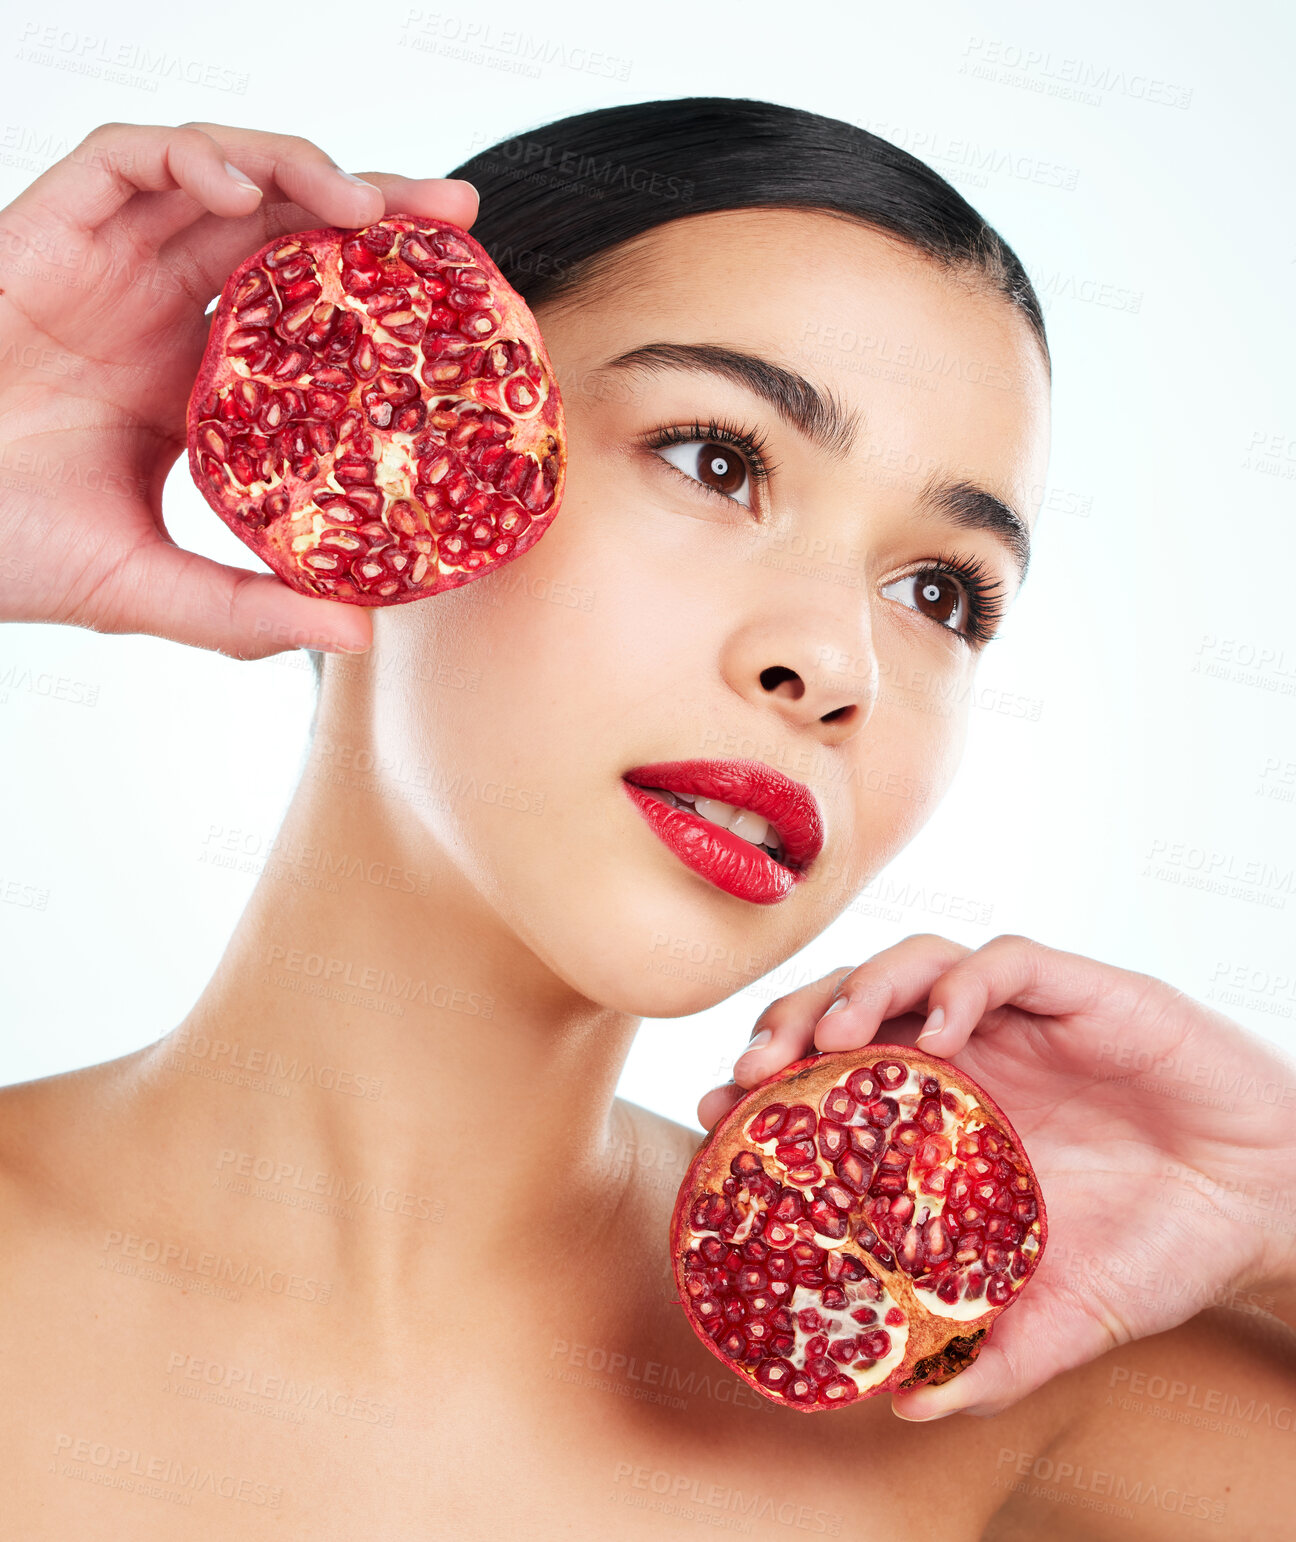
{"x":399,"y":1036}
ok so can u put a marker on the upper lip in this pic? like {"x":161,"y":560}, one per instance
{"x":788,"y":806}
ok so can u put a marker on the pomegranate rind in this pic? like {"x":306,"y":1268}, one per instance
{"x":391,"y":456}
{"x":930,"y":1338}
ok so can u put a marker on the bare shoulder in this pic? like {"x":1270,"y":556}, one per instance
{"x":656,"y":1149}
{"x":58,"y":1137}
{"x":1172,"y":1435}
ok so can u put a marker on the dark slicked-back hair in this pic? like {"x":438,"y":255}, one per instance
{"x":556,"y":200}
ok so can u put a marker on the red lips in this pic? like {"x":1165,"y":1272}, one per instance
{"x":728,"y":861}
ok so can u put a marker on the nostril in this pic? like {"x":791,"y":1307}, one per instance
{"x":776,"y":676}
{"x":839,"y":714}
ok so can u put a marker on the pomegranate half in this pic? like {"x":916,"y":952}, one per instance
{"x":375,"y":413}
{"x":854,"y":1225}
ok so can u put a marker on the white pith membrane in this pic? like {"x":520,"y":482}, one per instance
{"x":957,"y":1181}
{"x":450,"y":496}
{"x":738,"y":821}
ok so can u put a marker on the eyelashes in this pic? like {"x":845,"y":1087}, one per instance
{"x":749,"y":442}
{"x":983,"y":594}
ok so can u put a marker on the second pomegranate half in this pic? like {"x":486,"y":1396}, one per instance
{"x":854,"y":1225}
{"x":375,"y":413}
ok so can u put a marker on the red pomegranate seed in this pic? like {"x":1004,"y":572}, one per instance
{"x":902,"y":1217}
{"x":316,"y":338}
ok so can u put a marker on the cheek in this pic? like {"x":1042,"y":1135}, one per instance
{"x":899,"y":770}
{"x":543,"y":675}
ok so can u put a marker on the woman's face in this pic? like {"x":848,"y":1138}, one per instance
{"x":772,"y":598}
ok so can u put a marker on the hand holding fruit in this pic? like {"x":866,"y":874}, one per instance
{"x":107,"y":263}
{"x":1143,"y":1112}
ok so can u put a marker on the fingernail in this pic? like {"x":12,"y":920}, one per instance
{"x":459,"y":182}
{"x":836,"y":1006}
{"x":925,"y":1418}
{"x":935,"y":1022}
{"x":758,"y":1041}
{"x":241,"y":177}
{"x":359,"y":181}
{"x":345,"y":647}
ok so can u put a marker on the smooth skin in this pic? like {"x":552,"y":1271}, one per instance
{"x":381,"y":1162}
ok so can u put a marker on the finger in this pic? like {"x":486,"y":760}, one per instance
{"x":119,"y":161}
{"x":212,"y":249}
{"x":784,"y":1030}
{"x":717,"y":1103}
{"x":892,"y":982}
{"x":191,"y":170}
{"x":1044,"y":1336}
{"x":441,"y":198}
{"x":1033,"y":977}
{"x":216,"y":247}
{"x":296,"y":185}
{"x":167,"y":592}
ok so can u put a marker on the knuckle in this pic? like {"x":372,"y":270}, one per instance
{"x":780,"y":1012}
{"x":297,"y":147}
{"x":189,"y":137}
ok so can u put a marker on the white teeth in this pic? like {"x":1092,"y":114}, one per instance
{"x":750,"y":826}
{"x":718,"y":813}
{"x":738,"y":821}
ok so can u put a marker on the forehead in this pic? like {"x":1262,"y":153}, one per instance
{"x":937,"y":368}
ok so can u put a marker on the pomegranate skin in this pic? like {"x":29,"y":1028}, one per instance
{"x":375,"y":413}
{"x":854,"y":1225}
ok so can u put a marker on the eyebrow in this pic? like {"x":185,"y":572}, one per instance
{"x":815,"y":413}
{"x":972,"y":508}
{"x":824,"y":421}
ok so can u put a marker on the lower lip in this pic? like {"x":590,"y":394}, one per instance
{"x":725,"y":860}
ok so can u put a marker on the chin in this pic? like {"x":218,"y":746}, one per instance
{"x":664,"y":950}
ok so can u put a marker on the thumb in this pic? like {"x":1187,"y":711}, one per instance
{"x":167,"y":592}
{"x":1042,"y":1336}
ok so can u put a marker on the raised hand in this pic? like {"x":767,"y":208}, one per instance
{"x":1155,"y":1125}
{"x":107,"y":264}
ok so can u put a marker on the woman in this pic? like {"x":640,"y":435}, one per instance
{"x":375,"y":1193}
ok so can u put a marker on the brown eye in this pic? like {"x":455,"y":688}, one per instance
{"x":721,"y":467}
{"x":717,"y":466}
{"x":932,"y":593}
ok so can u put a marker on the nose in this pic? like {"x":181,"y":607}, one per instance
{"x":815,"y":665}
